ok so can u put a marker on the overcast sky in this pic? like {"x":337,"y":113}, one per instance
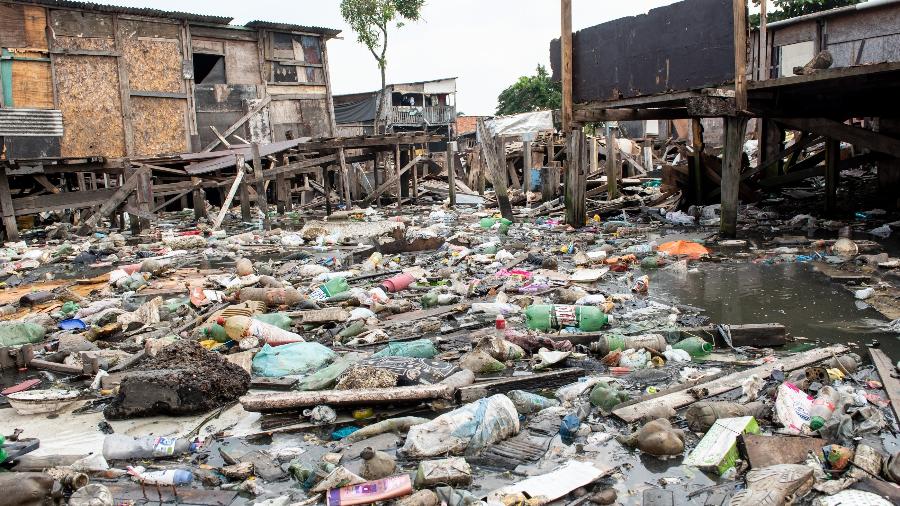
{"x":487,"y":44}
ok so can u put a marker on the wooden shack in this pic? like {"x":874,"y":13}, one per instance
{"x":134,"y":83}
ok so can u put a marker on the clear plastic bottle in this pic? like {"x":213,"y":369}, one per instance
{"x":240,"y":327}
{"x":167,"y":477}
{"x":122,"y":447}
{"x":823,"y":407}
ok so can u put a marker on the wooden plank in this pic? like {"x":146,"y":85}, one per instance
{"x":740,"y":54}
{"x":854,"y":135}
{"x":724,"y":384}
{"x":731,"y":173}
{"x":239,"y":123}
{"x":61,"y":201}
{"x":763,"y":451}
{"x":566,"y":60}
{"x":888,"y":374}
{"x":575,"y":179}
{"x":494,"y":159}
{"x":227,"y":204}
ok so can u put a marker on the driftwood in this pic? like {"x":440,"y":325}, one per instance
{"x":364,"y":396}
{"x":724,"y":384}
{"x":891,"y":384}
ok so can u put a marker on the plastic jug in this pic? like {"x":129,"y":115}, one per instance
{"x":546,"y":317}
{"x":823,"y":407}
{"x":695,"y":346}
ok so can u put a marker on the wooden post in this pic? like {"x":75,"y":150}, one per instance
{"x":379,"y":156}
{"x":245,"y":191}
{"x":612,"y":164}
{"x":490,"y":152}
{"x":397,"y":168}
{"x":547,"y":190}
{"x":6,"y":203}
{"x":345,"y":177}
{"x":735,"y":126}
{"x":740,"y":53}
{"x":832,"y":173}
{"x":697,"y":162}
{"x":763,"y":43}
{"x":326,"y":185}
{"x":565,"y":40}
{"x":527,"y":163}
{"x":577,"y":160}
{"x":451,"y":171}
{"x":415,"y":177}
{"x":261,"y":201}
{"x":771,"y":139}
{"x":592,"y":152}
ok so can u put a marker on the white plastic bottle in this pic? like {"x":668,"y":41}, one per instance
{"x":167,"y":477}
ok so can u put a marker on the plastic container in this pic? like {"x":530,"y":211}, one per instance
{"x":242,"y":327}
{"x":613,"y":342}
{"x":331,"y":288}
{"x":823,"y":407}
{"x":568,"y":429}
{"x":122,"y":447}
{"x":695,"y":346}
{"x":370,"y":492}
{"x":397,"y":283}
{"x":547,"y":317}
{"x":168,"y":477}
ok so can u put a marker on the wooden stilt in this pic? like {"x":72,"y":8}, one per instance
{"x":577,"y":161}
{"x":735,"y":128}
{"x":397,"y":166}
{"x":697,"y":162}
{"x":612,"y":164}
{"x":832,"y":173}
{"x":261,"y":201}
{"x":771,"y":140}
{"x":6,"y":203}
{"x":527,"y":163}
{"x":326,"y":185}
{"x":493,"y":154}
{"x":246,"y":216}
{"x":451,"y":171}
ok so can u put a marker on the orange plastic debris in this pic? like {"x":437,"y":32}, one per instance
{"x":684,"y":248}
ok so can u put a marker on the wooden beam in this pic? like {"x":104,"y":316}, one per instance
{"x":239,"y":123}
{"x":731,"y":173}
{"x":837,"y":130}
{"x":261,"y":201}
{"x":576,"y":179}
{"x":740,"y":53}
{"x":612,"y":165}
{"x":451,"y":170}
{"x":763,"y":43}
{"x":528,"y":162}
{"x":832,"y":173}
{"x":492,"y":157}
{"x":117,"y":198}
{"x":6,"y":204}
{"x":228,"y":198}
{"x":889,"y":380}
{"x":566,"y":59}
{"x":390,"y":182}
{"x":697,"y":161}
{"x":587,"y":114}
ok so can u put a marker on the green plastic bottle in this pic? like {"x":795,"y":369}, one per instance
{"x":695,"y":346}
{"x":333,"y":287}
{"x":547,"y":317}
{"x":280,"y":320}
{"x":606,"y":396}
{"x":2,"y":451}
{"x":504,"y":226}
{"x":487,"y":223}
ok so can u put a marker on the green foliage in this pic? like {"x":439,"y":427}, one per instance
{"x":786,"y":9}
{"x":530,"y":93}
{"x":370,"y":19}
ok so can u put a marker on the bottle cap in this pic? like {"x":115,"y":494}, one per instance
{"x":816,"y":422}
{"x":221,"y":320}
{"x":500,"y":322}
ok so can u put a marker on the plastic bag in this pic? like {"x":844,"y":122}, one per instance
{"x":295,"y":358}
{"x":327,"y":377}
{"x":422,"y":348}
{"x":19,"y":333}
{"x":469,"y":428}
{"x":792,"y":407}
{"x":414,"y":371}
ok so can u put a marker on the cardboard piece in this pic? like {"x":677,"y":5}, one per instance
{"x":717,"y":452}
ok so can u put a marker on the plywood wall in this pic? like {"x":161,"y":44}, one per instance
{"x":158,"y":125}
{"x":153,"y":54}
{"x":32,"y":83}
{"x":35,"y":26}
{"x":242,"y":62}
{"x":88,"y":90}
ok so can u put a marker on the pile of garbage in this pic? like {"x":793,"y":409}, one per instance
{"x":446,"y":356}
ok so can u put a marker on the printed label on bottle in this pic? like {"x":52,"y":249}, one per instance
{"x":565,"y":316}
{"x":164,"y":447}
{"x":319,"y":294}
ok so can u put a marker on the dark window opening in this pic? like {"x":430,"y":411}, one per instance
{"x":209,"y":68}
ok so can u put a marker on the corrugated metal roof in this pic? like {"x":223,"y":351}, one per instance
{"x":30,"y":123}
{"x":269,"y":25}
{"x":137,"y":11}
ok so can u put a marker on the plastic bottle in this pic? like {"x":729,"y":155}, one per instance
{"x":487,"y":222}
{"x":241,"y":327}
{"x":372,"y":263}
{"x":613,"y":342}
{"x":2,"y":451}
{"x":215,"y":332}
{"x":274,"y":296}
{"x":500,"y":326}
{"x":546,"y":317}
{"x":434,"y":298}
{"x":331,"y":288}
{"x":122,"y":447}
{"x":397,"y":283}
{"x":568,"y":429}
{"x":167,"y":477}
{"x":823,"y":407}
{"x":695,"y":346}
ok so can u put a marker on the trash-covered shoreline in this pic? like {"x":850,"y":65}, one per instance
{"x":439,"y":356}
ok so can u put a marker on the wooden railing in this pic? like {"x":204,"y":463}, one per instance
{"x":417,"y":115}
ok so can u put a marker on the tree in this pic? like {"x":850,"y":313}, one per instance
{"x":530,"y":93}
{"x":786,"y":9}
{"x":371,"y":19}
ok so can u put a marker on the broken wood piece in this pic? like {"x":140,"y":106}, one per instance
{"x":763,"y":451}
{"x":364,"y":396}
{"x":117,"y":198}
{"x":888,"y":374}
{"x":724,"y":384}
{"x":237,"y":124}
{"x":331,"y":314}
{"x":533,"y":381}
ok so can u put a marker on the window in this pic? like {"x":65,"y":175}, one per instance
{"x":297,"y":59}
{"x":209,"y":68}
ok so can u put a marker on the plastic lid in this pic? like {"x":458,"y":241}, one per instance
{"x":816,"y":422}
